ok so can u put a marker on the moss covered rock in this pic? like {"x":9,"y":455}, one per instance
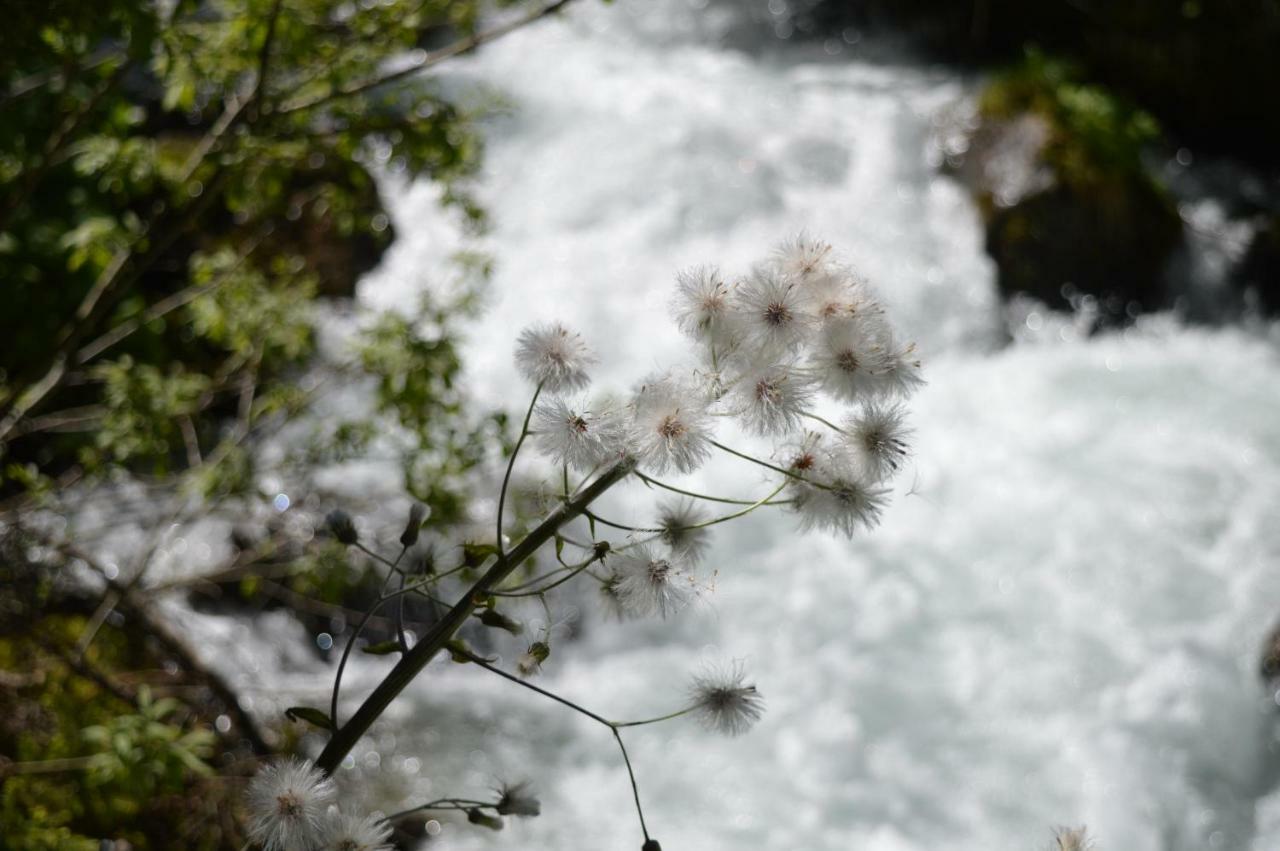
{"x":1056,"y":169}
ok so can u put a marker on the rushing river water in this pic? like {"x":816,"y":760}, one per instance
{"x":1059,"y":621}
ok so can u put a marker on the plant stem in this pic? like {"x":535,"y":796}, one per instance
{"x":424,"y":651}
{"x":506,"y":479}
{"x":612,"y":725}
{"x":651,"y":481}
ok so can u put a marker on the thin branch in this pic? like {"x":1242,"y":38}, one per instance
{"x":425,"y":650}
{"x":459,"y":47}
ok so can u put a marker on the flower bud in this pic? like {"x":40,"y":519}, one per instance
{"x":480,"y":817}
{"x":417,"y":513}
{"x":342,"y":526}
{"x":651,"y":845}
{"x":495,"y":618}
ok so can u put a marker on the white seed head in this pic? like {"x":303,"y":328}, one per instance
{"x":703,"y":309}
{"x":771,"y":399}
{"x":803,"y":257}
{"x":855,"y":361}
{"x":343,"y":831}
{"x":724,"y":701}
{"x":650,"y":583}
{"x":553,"y":356}
{"x":287,"y":802}
{"x":677,"y":518}
{"x":773,"y":313}
{"x":878,"y":438}
{"x":837,"y":296}
{"x":838,"y":498}
{"x":671,"y":428}
{"x":1071,"y":839}
{"x":574,"y":434}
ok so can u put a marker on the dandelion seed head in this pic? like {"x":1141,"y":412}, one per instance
{"x":772,"y":313}
{"x":838,"y":498}
{"x":343,"y":831}
{"x":677,"y":518}
{"x":878,"y":438}
{"x":703,"y":308}
{"x":1071,"y":839}
{"x":553,"y":356}
{"x":287,"y":801}
{"x":575,"y":434}
{"x":803,"y":257}
{"x":724,"y":701}
{"x":773,"y":399}
{"x":849,"y":360}
{"x":671,"y":428}
{"x":650,"y":583}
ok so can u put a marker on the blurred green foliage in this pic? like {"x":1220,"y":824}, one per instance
{"x":1095,"y":135}
{"x":176,"y":182}
{"x":93,"y":764}
{"x":181,"y":184}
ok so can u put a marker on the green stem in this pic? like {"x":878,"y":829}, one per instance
{"x":612,"y":725}
{"x":506,"y":479}
{"x":425,"y":650}
{"x":651,"y":481}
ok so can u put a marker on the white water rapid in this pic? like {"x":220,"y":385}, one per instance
{"x":1060,"y":624}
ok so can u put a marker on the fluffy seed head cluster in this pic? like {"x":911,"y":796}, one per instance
{"x":799,"y":335}
{"x":724,"y":701}
{"x":555,"y":357}
{"x":287,"y":805}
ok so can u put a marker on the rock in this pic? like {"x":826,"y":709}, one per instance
{"x":1061,"y":242}
{"x":1258,"y":275}
{"x":1069,"y":210}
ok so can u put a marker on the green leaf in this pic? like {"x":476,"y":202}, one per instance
{"x":310,"y":715}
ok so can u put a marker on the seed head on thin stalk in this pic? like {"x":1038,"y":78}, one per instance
{"x":670,"y":428}
{"x":287,"y":802}
{"x":1071,"y":839}
{"x":771,"y":399}
{"x":878,"y":438}
{"x":678,"y":519}
{"x":773,"y":313}
{"x":554,"y":357}
{"x":725,"y":701}
{"x":345,"y":831}
{"x":703,"y":308}
{"x":803,"y":257}
{"x":651,"y":583}
{"x":839,"y":498}
{"x":838,"y":297}
{"x":576,"y":434}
